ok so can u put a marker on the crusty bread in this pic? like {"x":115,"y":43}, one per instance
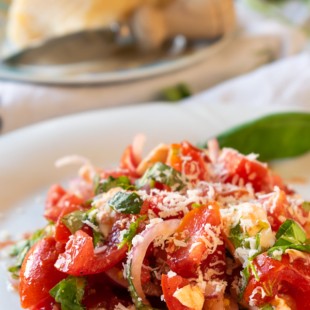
{"x":32,"y":22}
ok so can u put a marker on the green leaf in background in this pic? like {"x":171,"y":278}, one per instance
{"x":275,"y":136}
{"x":176,"y":93}
{"x":69,"y":293}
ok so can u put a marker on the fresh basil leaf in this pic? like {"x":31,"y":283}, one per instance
{"x":306,"y":206}
{"x":176,"y":93}
{"x":290,"y":233}
{"x":236,"y":236}
{"x":246,"y":273}
{"x":164,"y":174}
{"x":69,"y":293}
{"x":267,"y":307}
{"x":131,"y":232}
{"x":274,"y":136}
{"x":21,"y":248}
{"x":276,"y":252}
{"x":126,"y":202}
{"x":289,"y":236}
{"x":105,"y":185}
{"x":74,"y":220}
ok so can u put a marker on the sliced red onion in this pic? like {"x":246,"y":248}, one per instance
{"x":137,"y":147}
{"x":214,"y":150}
{"x":143,"y":240}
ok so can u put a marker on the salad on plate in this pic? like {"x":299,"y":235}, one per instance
{"x":182,"y":228}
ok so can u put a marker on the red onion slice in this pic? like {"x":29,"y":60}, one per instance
{"x":165,"y":229}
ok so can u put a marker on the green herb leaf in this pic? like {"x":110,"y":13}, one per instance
{"x":236,"y":236}
{"x":176,"y":93}
{"x":105,"y":185}
{"x":131,"y":232}
{"x":290,"y":233}
{"x":126,"y":202}
{"x":69,"y":293}
{"x":74,"y":220}
{"x":274,"y":136}
{"x":306,"y":206}
{"x":267,"y":307}
{"x":20,"y":250}
{"x":289,"y":236}
{"x":164,"y":174}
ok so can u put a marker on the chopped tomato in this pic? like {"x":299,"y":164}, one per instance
{"x":80,"y":259}
{"x":276,"y":277}
{"x":38,"y":274}
{"x":242,"y":170}
{"x":279,"y":209}
{"x":53,"y":211}
{"x":169,"y":286}
{"x":189,"y":160}
{"x":194,"y":230}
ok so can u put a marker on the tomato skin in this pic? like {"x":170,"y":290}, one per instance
{"x":169,"y":286}
{"x":55,"y":193}
{"x":287,"y":277}
{"x":38,"y":274}
{"x":278,"y":207}
{"x":57,"y":200}
{"x":80,"y":259}
{"x":239,"y":167}
{"x":196,"y":160}
{"x":185,"y":260}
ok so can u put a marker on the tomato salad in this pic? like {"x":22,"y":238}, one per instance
{"x":182,"y":228}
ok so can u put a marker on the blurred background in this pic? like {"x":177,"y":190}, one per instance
{"x":59,"y":57}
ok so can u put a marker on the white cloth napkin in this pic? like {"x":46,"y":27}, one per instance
{"x":258,"y":42}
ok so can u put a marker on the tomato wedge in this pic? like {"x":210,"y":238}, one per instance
{"x":190,"y":160}
{"x":185,"y":260}
{"x":169,"y":286}
{"x":54,"y":207}
{"x":287,"y":276}
{"x":241,"y":169}
{"x":38,"y":274}
{"x":80,"y":259}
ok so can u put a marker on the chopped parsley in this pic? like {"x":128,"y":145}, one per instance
{"x":131,"y":232}
{"x":163,"y":174}
{"x":21,"y":248}
{"x":111,"y":182}
{"x":126,"y":202}
{"x":289,"y":236}
{"x":74,"y":221}
{"x":69,"y":293}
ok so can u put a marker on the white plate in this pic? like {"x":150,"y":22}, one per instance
{"x":27,"y":156}
{"x":126,"y":66}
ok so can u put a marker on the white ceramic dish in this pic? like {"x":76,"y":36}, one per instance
{"x":27,"y":156}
